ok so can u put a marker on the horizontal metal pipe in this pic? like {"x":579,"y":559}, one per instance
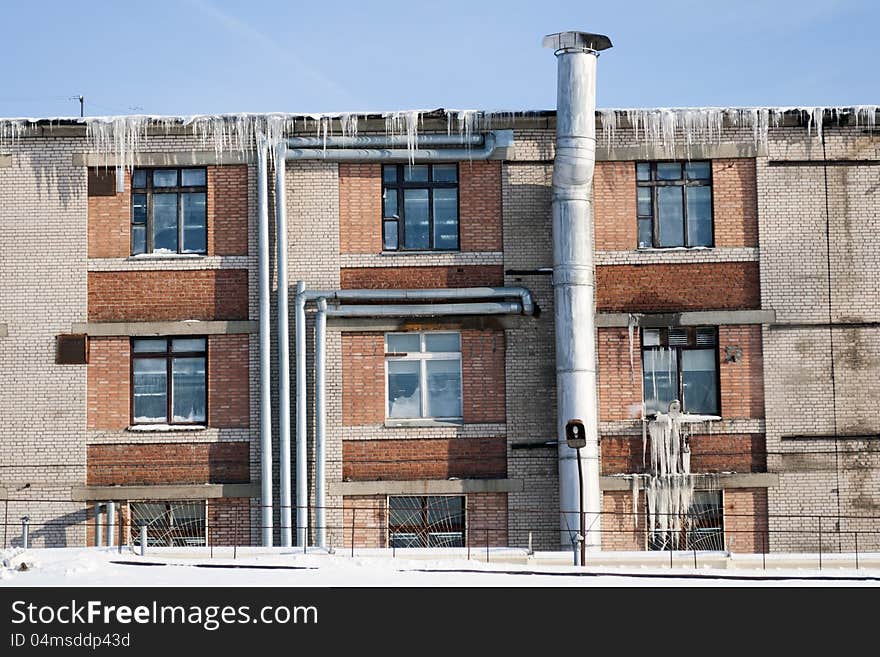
{"x":457,"y":293}
{"x":384,"y":141}
{"x":396,"y":154}
{"x":428,"y":310}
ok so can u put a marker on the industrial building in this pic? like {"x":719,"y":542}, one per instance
{"x":286,"y":329}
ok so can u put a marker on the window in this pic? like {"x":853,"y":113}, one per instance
{"x":423,"y":375}
{"x":168,"y":380}
{"x":169,"y":211}
{"x":430,"y":521}
{"x":420,"y":207}
{"x":701,"y":529}
{"x":170,"y":524}
{"x":674,"y":204}
{"x":682,"y":364}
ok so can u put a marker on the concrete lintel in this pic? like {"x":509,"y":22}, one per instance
{"x":107,"y":329}
{"x":185,"y":158}
{"x":679,"y":152}
{"x":426,"y":487}
{"x":176,"y":492}
{"x":4,"y":331}
{"x":413,"y":323}
{"x":5,"y":161}
{"x":689,"y":318}
{"x":723,"y":480}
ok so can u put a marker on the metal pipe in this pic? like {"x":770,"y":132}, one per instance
{"x":144,"y":539}
{"x":265,"y":346}
{"x":526,"y":299}
{"x":573,"y":276}
{"x":384,"y":141}
{"x":499,"y":139}
{"x":25,"y":532}
{"x":428,"y":310}
{"x":111,"y":524}
{"x":320,"y":422}
{"x":302,"y":488}
{"x":283,"y":344}
{"x":99,"y":528}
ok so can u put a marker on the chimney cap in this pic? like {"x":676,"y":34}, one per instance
{"x":575,"y":40}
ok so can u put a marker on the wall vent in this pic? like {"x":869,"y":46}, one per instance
{"x":72,"y":349}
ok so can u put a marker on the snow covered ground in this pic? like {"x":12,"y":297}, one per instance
{"x":278,"y":567}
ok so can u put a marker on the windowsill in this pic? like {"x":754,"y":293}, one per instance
{"x":416,"y":253}
{"x":421,"y":422}
{"x":660,"y":249}
{"x":166,"y":256}
{"x":159,"y":428}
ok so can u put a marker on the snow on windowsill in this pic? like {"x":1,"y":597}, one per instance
{"x":421,"y":422}
{"x":665,"y":249}
{"x":166,"y":427}
{"x":166,"y":255}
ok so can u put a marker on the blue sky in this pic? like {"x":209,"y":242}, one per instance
{"x":207,"y":56}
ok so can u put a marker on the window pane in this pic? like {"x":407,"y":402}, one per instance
{"x":416,"y":230}
{"x":405,"y":511}
{"x":188,"y":344}
{"x":660,"y":379}
{"x":669,"y":212}
{"x":644,"y":199}
{"x":643,"y":171}
{"x":389,"y":174}
{"x":138,"y":208}
{"x":415,"y":173}
{"x":165,"y":178}
{"x":699,"y":212}
{"x":442,"y":342}
{"x":699,"y":394}
{"x":697,"y":170}
{"x":445,"y":218}
{"x":165,"y":223}
{"x":646,"y":237}
{"x":668,"y":171}
{"x":445,"y":173}
{"x":138,"y":239}
{"x":148,"y":346}
{"x":139,"y":178}
{"x":446,"y":539}
{"x":150,"y":387}
{"x":188,"y":379}
{"x":404,"y":391}
{"x":405,"y":540}
{"x":444,"y":388}
{"x":403,"y":342}
{"x":193,"y":178}
{"x":389,"y":241}
{"x":389,"y":203}
{"x":650,"y":337}
{"x":445,"y":511}
{"x":195,"y":234}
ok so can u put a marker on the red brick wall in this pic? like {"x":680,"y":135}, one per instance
{"x":380,"y":278}
{"x":229,"y":521}
{"x":109,"y":378}
{"x":360,"y":208}
{"x":228,"y":385}
{"x":167,"y":463}
{"x":363,"y":377}
{"x":168,"y":295}
{"x":228,"y":210}
{"x":735,"y":202}
{"x":742,"y":382}
{"x":438,"y":458}
{"x":670,"y":288}
{"x":480,"y":223}
{"x":709,"y":453}
{"x":620,"y":390}
{"x":620,"y":529}
{"x":486,"y":519}
{"x":110,"y":223}
{"x":614,"y":206}
{"x":745,"y":520}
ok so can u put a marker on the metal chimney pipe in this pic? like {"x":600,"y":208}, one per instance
{"x":573,"y":277}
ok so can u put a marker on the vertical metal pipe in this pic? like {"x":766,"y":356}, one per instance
{"x":320,"y":421}
{"x":573,"y":276}
{"x":302,"y":488}
{"x":25,"y":532}
{"x":283,"y":343}
{"x":144,"y":539}
{"x":99,"y":528}
{"x":111,"y":524}
{"x":265,"y":346}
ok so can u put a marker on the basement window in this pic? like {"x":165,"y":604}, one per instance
{"x":682,"y":364}
{"x":423,"y":376}
{"x":426,"y":521}
{"x":701,"y":529}
{"x":169,"y":211}
{"x":674,"y":202}
{"x":170,"y":524}
{"x":168,"y":381}
{"x":420,"y":207}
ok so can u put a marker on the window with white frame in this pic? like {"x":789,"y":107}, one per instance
{"x":423,"y":375}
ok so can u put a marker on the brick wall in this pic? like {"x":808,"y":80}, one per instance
{"x":614,"y":206}
{"x":620,"y":529}
{"x":742,"y":382}
{"x":360,"y":208}
{"x":620,"y":388}
{"x":109,"y":221}
{"x":735,"y":202}
{"x":229,"y":521}
{"x":487,"y":519}
{"x":109,"y":378}
{"x":380,"y":278}
{"x":228,"y":385}
{"x":480,"y":206}
{"x":658,"y":288}
{"x":167,"y":463}
{"x":410,"y":458}
{"x":745,"y":520}
{"x":709,"y":453}
{"x":168,"y":295}
{"x":363,"y":377}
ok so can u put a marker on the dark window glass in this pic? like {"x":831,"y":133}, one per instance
{"x":422,"y":202}
{"x":426,"y":521}
{"x":169,"y":381}
{"x":702,"y":528}
{"x":674,"y":202}
{"x":680,"y":364}
{"x":169,"y":524}
{"x":169,"y":211}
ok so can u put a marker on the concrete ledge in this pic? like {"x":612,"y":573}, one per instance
{"x":679,"y":152}
{"x":690,"y":318}
{"x":5,"y":161}
{"x":4,"y":331}
{"x":179,"y":492}
{"x":186,"y":158}
{"x":108,"y":329}
{"x":724,"y":480}
{"x":426,"y":487}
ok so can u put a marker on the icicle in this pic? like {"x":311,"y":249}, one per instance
{"x":630,"y":326}
{"x":635,"y":498}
